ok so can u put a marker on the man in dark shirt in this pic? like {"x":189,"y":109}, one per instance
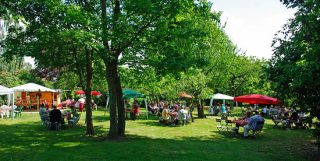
{"x":55,"y":115}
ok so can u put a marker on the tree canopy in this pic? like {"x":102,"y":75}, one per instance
{"x":295,"y":66}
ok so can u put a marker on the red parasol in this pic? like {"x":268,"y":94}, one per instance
{"x":94,"y":93}
{"x":257,"y":99}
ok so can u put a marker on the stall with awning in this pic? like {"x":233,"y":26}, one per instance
{"x":220,"y":96}
{"x":129,"y":93}
{"x":32,"y":94}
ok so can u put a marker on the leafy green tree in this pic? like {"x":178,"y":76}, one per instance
{"x":69,"y":35}
{"x":295,"y":66}
{"x":136,"y":31}
{"x":57,"y":36}
{"x":194,"y":82}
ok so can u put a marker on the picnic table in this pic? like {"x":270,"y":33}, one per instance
{"x":240,"y":122}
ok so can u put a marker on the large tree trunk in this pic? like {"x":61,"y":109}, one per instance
{"x":111,"y":73}
{"x":200,"y":109}
{"x":121,"y":109}
{"x":89,"y":71}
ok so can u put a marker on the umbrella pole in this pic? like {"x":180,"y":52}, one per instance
{"x":145,"y":102}
{"x":107,"y":103}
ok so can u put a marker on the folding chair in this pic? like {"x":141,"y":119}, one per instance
{"x":276,"y":121}
{"x":258,"y":129}
{"x":74,"y":121}
{"x":18,"y":111}
{"x":220,"y":127}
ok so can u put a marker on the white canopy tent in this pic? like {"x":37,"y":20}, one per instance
{"x":32,"y":87}
{"x":220,"y":96}
{"x":10,"y":94}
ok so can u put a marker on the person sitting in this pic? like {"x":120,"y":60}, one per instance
{"x":253,"y":123}
{"x":295,"y":119}
{"x":153,"y":108}
{"x":2,"y":110}
{"x":242,"y":121}
{"x":72,"y":121}
{"x":165,"y":117}
{"x":94,"y":105}
{"x":44,"y":115}
{"x":5,"y":110}
{"x":55,"y":118}
{"x":285,"y":120}
{"x":174,"y":115}
{"x":265,"y":110}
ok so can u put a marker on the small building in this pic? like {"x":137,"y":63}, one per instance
{"x":32,"y":95}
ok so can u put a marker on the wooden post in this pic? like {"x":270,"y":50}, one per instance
{"x":38,"y":102}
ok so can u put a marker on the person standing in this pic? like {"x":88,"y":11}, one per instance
{"x":135,"y":110}
{"x":81,"y":104}
{"x":223,"y":110}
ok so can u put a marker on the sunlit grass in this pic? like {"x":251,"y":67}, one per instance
{"x":26,"y":138}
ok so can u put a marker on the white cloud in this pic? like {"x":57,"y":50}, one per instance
{"x":251,"y":24}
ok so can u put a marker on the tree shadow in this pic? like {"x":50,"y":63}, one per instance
{"x":101,"y":118}
{"x":31,"y":141}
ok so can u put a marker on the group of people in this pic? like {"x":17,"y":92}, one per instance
{"x":5,"y":110}
{"x":219,"y":108}
{"x":288,"y":117}
{"x":253,"y":120}
{"x":133,"y":109}
{"x":178,"y":114}
{"x":54,"y":117}
{"x":80,"y":104}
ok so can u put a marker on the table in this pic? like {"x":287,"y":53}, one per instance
{"x":240,"y":122}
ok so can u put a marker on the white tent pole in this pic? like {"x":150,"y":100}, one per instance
{"x":145,"y":102}
{"x":12,"y":105}
{"x":107,"y":103}
{"x":211,"y":101}
{"x":8,"y":99}
{"x":224,"y":102}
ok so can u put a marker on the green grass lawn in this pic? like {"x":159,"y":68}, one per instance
{"x":27,"y":139}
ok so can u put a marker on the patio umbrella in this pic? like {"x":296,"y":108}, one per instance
{"x":185,"y":95}
{"x":128,"y":93}
{"x":257,"y":99}
{"x":94,"y":93}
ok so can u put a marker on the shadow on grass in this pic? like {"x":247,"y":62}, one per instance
{"x":100,"y":118}
{"x":31,"y":141}
{"x":151,"y":123}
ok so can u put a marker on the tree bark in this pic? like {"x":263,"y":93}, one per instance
{"x":121,"y":109}
{"x":200,"y":109}
{"x":111,"y":74}
{"x":89,"y":70}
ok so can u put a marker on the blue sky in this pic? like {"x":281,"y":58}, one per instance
{"x":251,"y":24}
